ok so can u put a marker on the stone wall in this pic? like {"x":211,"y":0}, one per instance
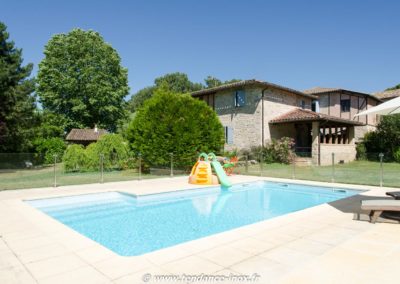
{"x":343,"y":152}
{"x":246,"y":120}
{"x":277,"y":103}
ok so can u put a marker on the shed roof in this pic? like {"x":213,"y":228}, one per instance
{"x":298,"y":115}
{"x":85,"y":134}
{"x":252,"y":82}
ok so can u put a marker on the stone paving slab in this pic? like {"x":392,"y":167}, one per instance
{"x":322,"y":244}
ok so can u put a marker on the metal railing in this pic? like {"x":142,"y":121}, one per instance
{"x":28,"y":170}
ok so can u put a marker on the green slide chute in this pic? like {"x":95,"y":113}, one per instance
{"x":222,"y":177}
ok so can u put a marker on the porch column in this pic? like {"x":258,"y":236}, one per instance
{"x":315,"y":143}
{"x":351,"y":134}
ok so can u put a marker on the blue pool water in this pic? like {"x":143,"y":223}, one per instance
{"x":132,"y":226}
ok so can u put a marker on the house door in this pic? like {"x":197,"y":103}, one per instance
{"x":303,"y":138}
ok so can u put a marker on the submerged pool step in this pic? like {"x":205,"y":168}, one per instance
{"x":93,"y":208}
{"x":87,"y":216}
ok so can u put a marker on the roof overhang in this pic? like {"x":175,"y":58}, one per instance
{"x":249,"y":83}
{"x":302,"y":115}
{"x":343,"y":91}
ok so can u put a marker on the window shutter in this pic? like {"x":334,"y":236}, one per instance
{"x":229,"y":135}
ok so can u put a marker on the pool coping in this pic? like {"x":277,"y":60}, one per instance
{"x":62,"y":234}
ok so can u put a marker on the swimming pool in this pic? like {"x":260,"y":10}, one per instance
{"x":130,"y":225}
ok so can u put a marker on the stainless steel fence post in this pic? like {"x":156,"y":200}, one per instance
{"x":55,"y":171}
{"x":381,"y":167}
{"x":172,"y":164}
{"x":140,"y":166}
{"x":294,"y":168}
{"x":333,"y":168}
{"x":246,"y":165}
{"x":101,"y":168}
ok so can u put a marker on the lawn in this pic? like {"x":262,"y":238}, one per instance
{"x":44,"y":177}
{"x":358,"y":172}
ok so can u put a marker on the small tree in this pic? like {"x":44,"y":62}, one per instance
{"x":114,"y":149}
{"x":172,"y":123}
{"x":74,"y":158}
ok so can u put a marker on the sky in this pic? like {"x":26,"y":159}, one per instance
{"x":353,"y":44}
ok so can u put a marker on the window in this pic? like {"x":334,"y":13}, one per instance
{"x":302,"y":104}
{"x":345,"y":105}
{"x":240,"y":98}
{"x":228,"y":135}
{"x":315,"y":106}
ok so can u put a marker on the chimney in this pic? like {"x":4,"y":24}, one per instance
{"x":95,"y":128}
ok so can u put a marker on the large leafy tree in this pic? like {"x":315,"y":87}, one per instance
{"x":17,"y":105}
{"x":176,"y":82}
{"x":174,"y":123}
{"x":211,"y":82}
{"x":81,"y":78}
{"x":140,"y":97}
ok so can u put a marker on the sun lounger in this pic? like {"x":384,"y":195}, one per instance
{"x":394,"y":194}
{"x":378,"y":206}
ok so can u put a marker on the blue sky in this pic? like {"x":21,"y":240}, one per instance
{"x":299,"y":44}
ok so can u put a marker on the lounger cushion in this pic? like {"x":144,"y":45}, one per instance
{"x":381,"y":205}
{"x":394,"y":215}
{"x":394,"y":194}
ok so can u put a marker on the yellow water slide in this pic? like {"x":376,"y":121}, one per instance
{"x":201,"y":173}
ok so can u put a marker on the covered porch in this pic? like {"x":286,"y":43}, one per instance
{"x":317,"y":136}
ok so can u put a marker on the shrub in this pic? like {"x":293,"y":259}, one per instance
{"x":74,"y":158}
{"x":275,"y":151}
{"x":230,"y":154}
{"x":361,"y":152}
{"x":115,"y":150}
{"x":279,"y":151}
{"x":396,"y":155}
{"x":92,"y":162}
{"x":174,"y":123}
{"x":386,"y":138}
{"x":48,"y":147}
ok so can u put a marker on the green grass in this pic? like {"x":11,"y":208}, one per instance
{"x":358,"y":172}
{"x":44,"y":177}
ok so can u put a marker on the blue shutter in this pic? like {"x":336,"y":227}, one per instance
{"x":229,"y":136}
{"x":240,"y":98}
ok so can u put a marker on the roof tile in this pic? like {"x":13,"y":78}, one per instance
{"x":308,"y":115}
{"x":85,"y":134}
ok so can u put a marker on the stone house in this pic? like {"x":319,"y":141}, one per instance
{"x":345,"y":104}
{"x":254,"y":112}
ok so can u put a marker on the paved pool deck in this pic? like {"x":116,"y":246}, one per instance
{"x":322,"y":244}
